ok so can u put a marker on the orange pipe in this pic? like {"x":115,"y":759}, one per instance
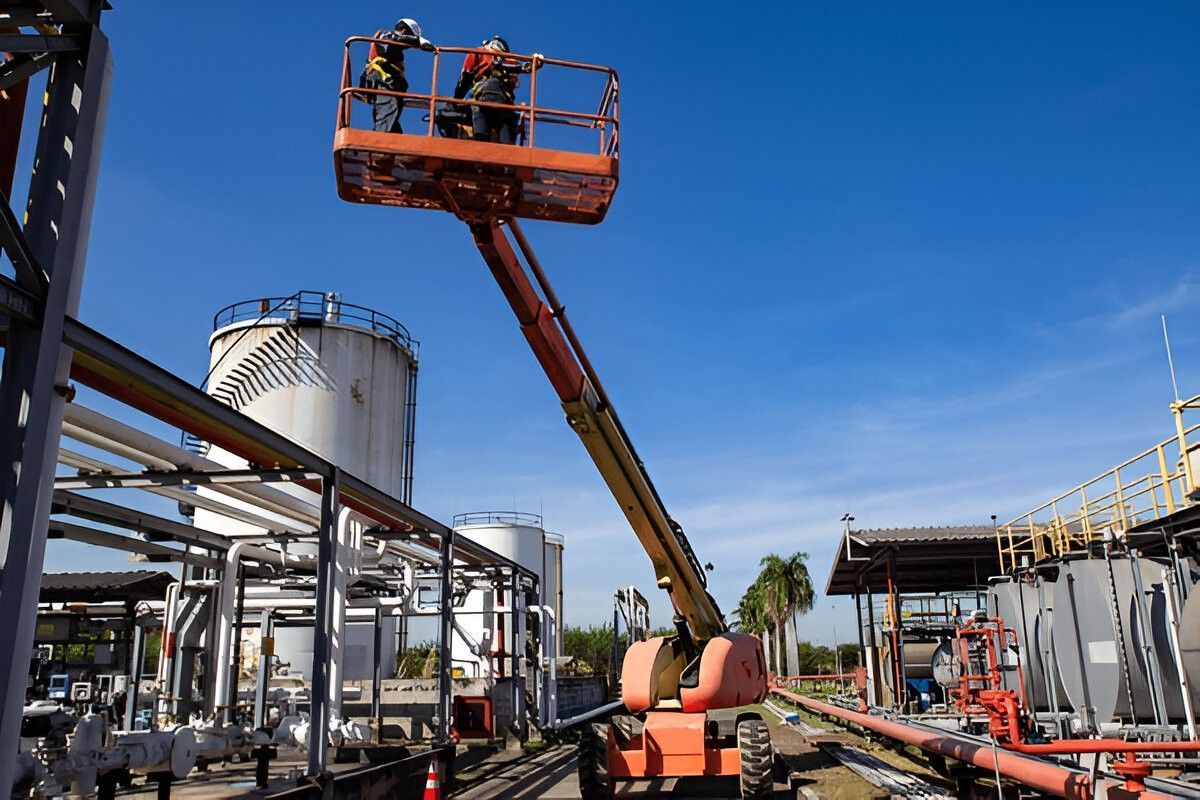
{"x":1043,"y":776}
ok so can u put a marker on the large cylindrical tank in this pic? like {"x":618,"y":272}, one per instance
{"x":333,"y":376}
{"x":1089,"y":647}
{"x":1017,"y":603}
{"x":520,"y":538}
{"x":338,"y":378}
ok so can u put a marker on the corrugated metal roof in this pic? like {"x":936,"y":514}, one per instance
{"x":946,"y":533}
{"x":58,"y":587}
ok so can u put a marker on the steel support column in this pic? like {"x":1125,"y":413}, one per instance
{"x":377,"y":678}
{"x":517,"y":626}
{"x":135,"y":674}
{"x":445,"y":639}
{"x":318,"y":736}
{"x":266,"y":650}
{"x":36,"y":364}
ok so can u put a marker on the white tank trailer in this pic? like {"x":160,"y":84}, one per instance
{"x":339,"y":379}
{"x":1096,"y":633}
{"x":1028,"y":609}
{"x":520,"y":538}
{"x":1109,"y":646}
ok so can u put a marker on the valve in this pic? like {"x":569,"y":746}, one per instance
{"x":1133,"y":771}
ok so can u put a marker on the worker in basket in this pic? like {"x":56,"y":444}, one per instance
{"x":385,"y":70}
{"x":492,"y":78}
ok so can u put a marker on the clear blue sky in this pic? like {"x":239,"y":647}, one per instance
{"x":902,"y":259}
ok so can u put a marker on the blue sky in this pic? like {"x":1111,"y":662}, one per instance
{"x":905,"y":260}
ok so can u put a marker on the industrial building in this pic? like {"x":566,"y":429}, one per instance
{"x":1066,"y":638}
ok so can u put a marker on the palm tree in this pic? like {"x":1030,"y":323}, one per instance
{"x":752,"y":616}
{"x":787,"y":591}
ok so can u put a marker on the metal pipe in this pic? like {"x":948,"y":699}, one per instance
{"x":1170,"y":577}
{"x":1052,"y":779}
{"x":88,"y":426}
{"x":599,"y":711}
{"x":227,"y":597}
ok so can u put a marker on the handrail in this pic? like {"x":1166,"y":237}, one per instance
{"x":486,"y":517}
{"x":605,"y":120}
{"x":1108,"y":503}
{"x":307,"y":304}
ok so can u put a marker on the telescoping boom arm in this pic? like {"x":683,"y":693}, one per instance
{"x":590,"y":413}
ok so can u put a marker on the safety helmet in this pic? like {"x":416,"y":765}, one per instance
{"x":409,"y":23}
{"x":497,"y":43}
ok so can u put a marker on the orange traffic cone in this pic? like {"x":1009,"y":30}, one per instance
{"x":433,"y":789}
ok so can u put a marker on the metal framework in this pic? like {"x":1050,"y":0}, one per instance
{"x":45,"y":347}
{"x":1155,"y":483}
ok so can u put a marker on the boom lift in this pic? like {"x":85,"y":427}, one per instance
{"x":669,"y":684}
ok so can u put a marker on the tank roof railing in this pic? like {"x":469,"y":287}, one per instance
{"x":489,"y":517}
{"x":605,"y":120}
{"x":312,"y":306}
{"x":1138,"y":490}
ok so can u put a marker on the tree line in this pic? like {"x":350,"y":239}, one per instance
{"x":768,"y":609}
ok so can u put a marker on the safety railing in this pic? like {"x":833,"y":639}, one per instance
{"x":605,"y":120}
{"x":489,"y":517}
{"x":1150,"y":485}
{"x":316,"y":306}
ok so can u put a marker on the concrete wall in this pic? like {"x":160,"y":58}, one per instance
{"x":579,"y":694}
{"x":409,"y":705}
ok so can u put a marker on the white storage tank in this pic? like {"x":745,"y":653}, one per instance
{"x":339,"y":379}
{"x":336,"y":377}
{"x":552,"y":579}
{"x":521,"y":538}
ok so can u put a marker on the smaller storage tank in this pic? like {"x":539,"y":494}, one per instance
{"x":552,"y":580}
{"x":521,"y":538}
{"x":1017,"y":603}
{"x":1089,"y":645}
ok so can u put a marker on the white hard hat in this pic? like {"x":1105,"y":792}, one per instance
{"x":412,"y":25}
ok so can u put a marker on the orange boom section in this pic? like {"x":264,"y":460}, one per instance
{"x":562,"y":166}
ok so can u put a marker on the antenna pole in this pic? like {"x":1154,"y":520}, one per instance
{"x":1170,"y":360}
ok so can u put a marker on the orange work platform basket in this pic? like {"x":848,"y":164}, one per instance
{"x":561,"y":166}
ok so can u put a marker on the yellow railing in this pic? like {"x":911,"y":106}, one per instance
{"x":1152,"y":484}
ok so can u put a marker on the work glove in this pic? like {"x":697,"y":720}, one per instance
{"x":426,"y":45}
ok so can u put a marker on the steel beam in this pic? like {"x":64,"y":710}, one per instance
{"x":445,"y":641}
{"x":75,"y":10}
{"x":149,"y":478}
{"x":106,"y":513}
{"x":22,"y":69}
{"x":135,"y":673}
{"x":115,"y":541}
{"x":33,"y":43}
{"x":36,"y":365}
{"x":327,"y":552}
{"x":377,"y":678}
{"x":18,"y":303}
{"x":13,"y":242}
{"x":89,"y":464}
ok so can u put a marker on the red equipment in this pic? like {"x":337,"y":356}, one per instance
{"x":1009,"y":722}
{"x":672,"y":681}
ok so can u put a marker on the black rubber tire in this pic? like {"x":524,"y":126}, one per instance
{"x":757,"y":759}
{"x":594,"y":782}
